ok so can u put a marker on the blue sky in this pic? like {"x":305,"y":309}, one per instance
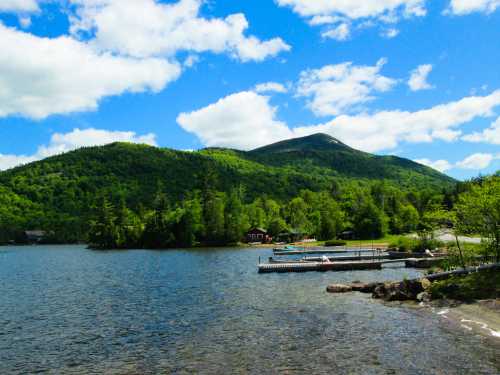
{"x":414,"y":78}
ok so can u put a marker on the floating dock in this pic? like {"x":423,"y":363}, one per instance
{"x":343,"y":258}
{"x":324,"y":251}
{"x":318,"y":266}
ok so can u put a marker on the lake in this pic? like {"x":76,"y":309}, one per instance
{"x":69,"y":310}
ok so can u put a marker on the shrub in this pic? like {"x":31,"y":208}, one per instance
{"x":335,"y":243}
{"x":420,"y":245}
{"x":479,"y":285}
{"x":402,"y":244}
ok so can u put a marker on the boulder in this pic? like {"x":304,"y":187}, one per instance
{"x":423,"y":297}
{"x":338,"y":288}
{"x":398,"y":291}
{"x":363,"y":287}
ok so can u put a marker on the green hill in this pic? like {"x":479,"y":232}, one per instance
{"x":63,"y":188}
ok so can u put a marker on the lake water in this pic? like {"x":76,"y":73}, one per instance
{"x":68,"y":310}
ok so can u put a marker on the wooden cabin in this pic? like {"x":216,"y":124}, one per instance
{"x":34,"y":236}
{"x":258,"y":235}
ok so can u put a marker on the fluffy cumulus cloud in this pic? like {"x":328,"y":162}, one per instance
{"x":488,"y":135}
{"x":270,"y":87}
{"x":418,"y":78}
{"x":336,"y":89}
{"x":355,"y":8}
{"x":64,"y":142}
{"x":108,"y":52}
{"x":166,"y":28}
{"x":19,"y":6}
{"x":340,"y":32}
{"x":41,"y":76}
{"x":439,"y":165}
{"x":340,"y":14}
{"x":244,"y":120}
{"x":462,"y":7}
{"x":478,"y":161}
{"x":384,"y":130}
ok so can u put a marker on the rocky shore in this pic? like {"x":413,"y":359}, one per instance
{"x":405,"y":290}
{"x":472,"y":282}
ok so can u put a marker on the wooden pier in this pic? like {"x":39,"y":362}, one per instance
{"x":324,"y":251}
{"x":342,"y":264}
{"x":318,"y":266}
{"x":343,"y":258}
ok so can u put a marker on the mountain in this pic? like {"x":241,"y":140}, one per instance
{"x":324,"y":152}
{"x":66,"y":186}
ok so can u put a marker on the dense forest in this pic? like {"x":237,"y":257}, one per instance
{"x":126,"y":195}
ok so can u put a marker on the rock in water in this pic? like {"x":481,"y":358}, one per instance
{"x":398,"y":291}
{"x":363,"y":287}
{"x":423,"y":297}
{"x":338,"y":288}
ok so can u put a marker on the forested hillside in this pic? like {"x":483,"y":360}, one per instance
{"x":64,"y":194}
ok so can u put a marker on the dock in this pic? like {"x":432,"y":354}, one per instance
{"x":342,"y":250}
{"x":343,"y":258}
{"x":318,"y":266}
{"x":342,"y":264}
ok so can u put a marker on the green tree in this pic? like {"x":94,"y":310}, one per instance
{"x":236,"y":221}
{"x":478,"y":211}
{"x":369,"y":221}
{"x":103,"y":230}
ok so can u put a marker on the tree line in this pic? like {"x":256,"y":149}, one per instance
{"x":210,"y":217}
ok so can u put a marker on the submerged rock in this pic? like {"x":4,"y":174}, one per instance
{"x":363,"y":287}
{"x":338,"y":288}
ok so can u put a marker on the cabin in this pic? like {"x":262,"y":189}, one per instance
{"x":258,"y":235}
{"x":291,"y":236}
{"x":34,"y":236}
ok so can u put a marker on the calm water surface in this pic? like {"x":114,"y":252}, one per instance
{"x":68,"y":310}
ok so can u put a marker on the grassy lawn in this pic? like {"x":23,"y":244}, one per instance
{"x":379,"y":241}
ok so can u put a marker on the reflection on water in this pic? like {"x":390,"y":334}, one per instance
{"x":65,"y":309}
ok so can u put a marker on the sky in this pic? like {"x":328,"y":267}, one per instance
{"x":419,"y":79}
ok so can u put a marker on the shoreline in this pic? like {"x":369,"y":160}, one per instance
{"x":480,"y":317}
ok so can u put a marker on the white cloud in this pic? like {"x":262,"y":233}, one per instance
{"x":462,"y":7}
{"x":165,"y":29}
{"x":340,"y":32}
{"x":244,"y":120}
{"x":362,"y":13}
{"x":384,"y":130}
{"x":476,"y":161}
{"x":355,"y":9}
{"x":439,"y":165}
{"x":18,"y":6}
{"x":270,"y":87}
{"x":390,"y":33}
{"x":488,"y":135}
{"x":60,"y":143}
{"x":335,"y":89}
{"x":418,"y":78}
{"x":41,"y":76}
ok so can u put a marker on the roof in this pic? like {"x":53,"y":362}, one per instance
{"x":35,"y":233}
{"x":259,"y":229}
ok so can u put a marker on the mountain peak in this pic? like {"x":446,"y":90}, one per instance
{"x":318,"y":141}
